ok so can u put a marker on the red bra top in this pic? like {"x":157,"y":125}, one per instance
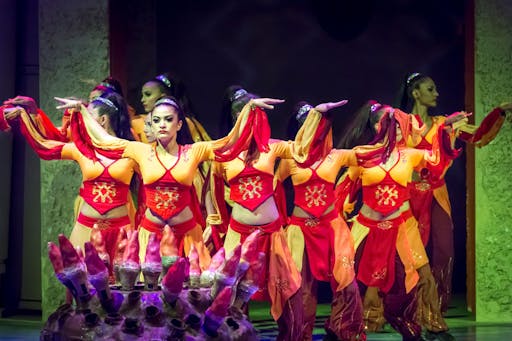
{"x":424,"y":144}
{"x":104,"y":193}
{"x":166,"y":197}
{"x":315,"y":195}
{"x":251,"y":187}
{"x":386,"y":196}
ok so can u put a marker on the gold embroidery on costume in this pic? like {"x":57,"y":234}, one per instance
{"x":315,"y":196}
{"x":102,"y":224}
{"x":166,"y":197}
{"x":380,"y":275}
{"x":386,"y":195}
{"x":104,"y":191}
{"x":282,"y":284}
{"x":347,"y":262}
{"x":250,"y":187}
{"x":385,"y":225}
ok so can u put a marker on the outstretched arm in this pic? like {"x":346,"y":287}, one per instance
{"x":482,"y":134}
{"x":88,"y":134}
{"x":41,"y":120}
{"x":45,"y":148}
{"x":314,"y":138}
{"x":251,"y":124}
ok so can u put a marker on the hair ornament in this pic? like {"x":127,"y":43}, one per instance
{"x":302,"y":112}
{"x":105,"y":101}
{"x":239,"y":93}
{"x":412,"y":76}
{"x":375,"y":107}
{"x":167,"y":101}
{"x":165,"y":80}
{"x":107,"y":85}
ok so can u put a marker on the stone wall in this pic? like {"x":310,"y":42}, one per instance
{"x":493,"y":69}
{"x":74,"y":54}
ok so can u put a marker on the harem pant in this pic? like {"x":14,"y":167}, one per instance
{"x":399,"y":306}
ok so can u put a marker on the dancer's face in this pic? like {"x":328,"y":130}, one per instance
{"x":426,"y":94}
{"x":148,"y":131}
{"x":165,"y":123}
{"x":151,"y":93}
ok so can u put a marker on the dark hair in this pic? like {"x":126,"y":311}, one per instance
{"x":361,"y":130}
{"x":114,"y":105}
{"x":296,"y":119}
{"x":234,"y":99}
{"x":410,"y":83}
{"x":109,"y":84}
{"x":171,"y":85}
{"x":183,"y":136}
{"x":388,"y":126}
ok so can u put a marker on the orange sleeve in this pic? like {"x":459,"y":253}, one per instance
{"x":46,"y":149}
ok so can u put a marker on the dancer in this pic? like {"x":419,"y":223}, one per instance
{"x":319,"y":239}
{"x":250,"y":177}
{"x":168,"y":166}
{"x":105,"y":187}
{"x":381,"y":227}
{"x":136,"y":121}
{"x":430,"y":201}
{"x":167,"y":84}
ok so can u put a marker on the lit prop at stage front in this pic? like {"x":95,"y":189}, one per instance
{"x":176,"y":301}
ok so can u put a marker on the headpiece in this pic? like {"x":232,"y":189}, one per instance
{"x":302,"y":112}
{"x":239,"y":93}
{"x":375,"y":107}
{"x":412,"y":76}
{"x":165,"y":80}
{"x":108,"y":85}
{"x":105,"y":101}
{"x":168,"y":101}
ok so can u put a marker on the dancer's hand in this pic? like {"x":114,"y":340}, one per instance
{"x":68,"y":103}
{"x":458,"y":117}
{"x":325,"y":107}
{"x":28,"y":103}
{"x":11,"y":113}
{"x":265,"y":103}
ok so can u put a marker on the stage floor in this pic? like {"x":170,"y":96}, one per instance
{"x":462,"y":327}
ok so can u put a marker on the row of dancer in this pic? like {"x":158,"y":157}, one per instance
{"x":167,"y":168}
{"x":167,"y":162}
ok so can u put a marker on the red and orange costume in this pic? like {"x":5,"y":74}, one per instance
{"x":430,"y":202}
{"x":321,"y":243}
{"x":252,"y":191}
{"x":168,"y":184}
{"x":389,"y":249}
{"x":105,"y":185}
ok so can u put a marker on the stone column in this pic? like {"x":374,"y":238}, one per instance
{"x":74,"y":55}
{"x":493,"y":194}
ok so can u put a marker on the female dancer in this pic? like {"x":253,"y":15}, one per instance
{"x":105,"y":187}
{"x":319,"y":239}
{"x":363,"y":129}
{"x":430,"y":202}
{"x":112,"y":84}
{"x":167,"y":84}
{"x":250,"y":177}
{"x":168,"y":166}
{"x":380,"y":230}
